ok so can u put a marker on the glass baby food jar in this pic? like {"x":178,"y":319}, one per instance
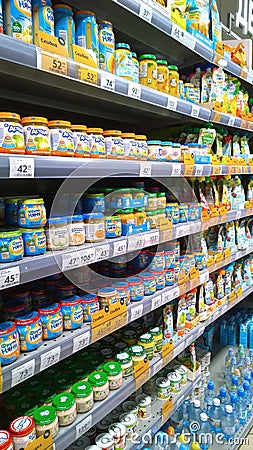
{"x":57,"y":234}
{"x":147,"y":341}
{"x":9,"y":343}
{"x":100,"y":385}
{"x":34,"y":241}
{"x":135,"y":68}
{"x":76,"y":230}
{"x":96,"y":142}
{"x":81,"y":141}
{"x":31,"y":213}
{"x":83,"y":394}
{"x":11,"y":133}
{"x":130,"y":146}
{"x":29,"y":328}
{"x":114,"y":373}
{"x":23,"y":431}
{"x":162,"y":76}
{"x":113,"y":144}
{"x":64,"y":25}
{"x":5,"y":440}
{"x":11,"y":246}
{"x":106,"y":41}
{"x":61,"y":138}
{"x":52,"y":321}
{"x":125,"y":360}
{"x":46,"y":419}
{"x":123,"y":61}
{"x":37,"y":140}
{"x":148,"y":70}
{"x":107,"y":297}
{"x":94,"y":227}
{"x":142,"y":147}
{"x":65,"y":406}
{"x":173,"y":80}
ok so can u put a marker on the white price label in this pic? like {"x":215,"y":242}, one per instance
{"x":21,"y":167}
{"x":175,"y":292}
{"x":189,"y":340}
{"x":135,"y":242}
{"x":151,"y":239}
{"x":145,"y":13}
{"x":198,"y":170}
{"x":238,"y":215}
{"x":182,"y":36}
{"x":9,"y":277}
{"x":145,"y":169}
{"x":172,"y":103}
{"x":134,"y":90}
{"x":195,"y":111}
{"x":108,"y":82}
{"x":182,"y":230}
{"x":81,"y":341}
{"x":179,"y":348}
{"x":231,"y":121}
{"x":157,"y":366}
{"x":102,"y":252}
{"x":22,"y":372}
{"x":204,"y":277}
{"x":176,"y":170}
{"x":70,"y":261}
{"x":136,"y":312}
{"x":201,"y":330}
{"x":50,"y":358}
{"x":170,"y":295}
{"x":87,"y":256}
{"x":120,"y":247}
{"x":83,"y":426}
{"x":156,"y":302}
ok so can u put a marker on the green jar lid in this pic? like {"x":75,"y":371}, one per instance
{"x":153,"y":195}
{"x":137,"y":350}
{"x":123,"y":45}
{"x":12,"y":200}
{"x":31,"y":411}
{"x":10,"y":233}
{"x":44,"y":415}
{"x":162,"y":62}
{"x":81,"y":389}
{"x":112,"y":218}
{"x":152,"y":213}
{"x":155,"y":331}
{"x":64,"y":401}
{"x":126,"y":211}
{"x":173,"y":67}
{"x":28,"y":201}
{"x":112,"y":368}
{"x":146,"y":338}
{"x":123,"y":358}
{"x":161,"y":194}
{"x":98,"y":378}
{"x":94,"y":195}
{"x":31,"y":230}
{"x":161,"y":211}
{"x":148,"y":56}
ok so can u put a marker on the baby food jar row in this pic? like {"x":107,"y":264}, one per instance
{"x":173,"y":151}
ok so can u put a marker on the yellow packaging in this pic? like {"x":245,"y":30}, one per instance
{"x":178,"y":12}
{"x":148,"y":70}
{"x":162,"y":76}
{"x":173,"y":80}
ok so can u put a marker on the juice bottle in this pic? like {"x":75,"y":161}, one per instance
{"x":106,"y":46}
{"x":87,"y":31}
{"x":43,"y":19}
{"x":173,"y":80}
{"x":18,"y":19}
{"x":64,"y":25}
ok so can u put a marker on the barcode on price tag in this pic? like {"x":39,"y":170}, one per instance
{"x":195,"y":111}
{"x":87,"y":256}
{"x":145,"y":169}
{"x":21,"y":167}
{"x":182,"y":231}
{"x":134,"y":90}
{"x":182,"y":36}
{"x":145,"y":12}
{"x":22,"y":372}
{"x":176,"y":170}
{"x":231,"y":121}
{"x":102,"y":252}
{"x":204,"y":277}
{"x":107,"y":82}
{"x":136,"y":312}
{"x":198,"y":170}
{"x":83,"y":426}
{"x":81,"y":341}
{"x":70,"y":261}
{"x":156,"y":302}
{"x":151,"y":239}
{"x":120,"y":247}
{"x":157,"y":366}
{"x":50,"y":358}
{"x":172,"y":103}
{"x":135,"y":242}
{"x":9,"y":277}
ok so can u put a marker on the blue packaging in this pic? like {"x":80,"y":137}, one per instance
{"x":142,"y":260}
{"x":64,"y":25}
{"x":170,"y":277}
{"x":243,"y":334}
{"x":9,"y":343}
{"x":160,"y":279}
{"x":31,"y":213}
{"x":43,"y":17}
{"x":136,"y":288}
{"x":29,"y":328}
{"x":231,"y":334}
{"x":250,"y":335}
{"x":157,"y":261}
{"x":87,"y":32}
{"x":223,"y":333}
{"x":149,"y":283}
{"x":90,"y":305}
{"x":11,"y":246}
{"x":52,"y":321}
{"x":72,"y":313}
{"x":94,"y":203}
{"x":34,"y":241}
{"x":11,"y":211}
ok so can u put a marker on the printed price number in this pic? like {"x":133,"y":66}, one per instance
{"x":172,"y":103}
{"x":157,"y":366}
{"x":142,"y":379}
{"x":21,"y":167}
{"x":108,"y":82}
{"x":102,"y":252}
{"x":53,"y":63}
{"x":136,"y":312}
{"x":231,"y":121}
{"x":50,"y":358}
{"x":82,"y":341}
{"x":166,"y":409}
{"x":23,"y":372}
{"x":135,"y":242}
{"x":83,"y":426}
{"x":120,"y":247}
{"x":145,"y":169}
{"x":195,"y":111}
{"x":199,"y":168}
{"x":182,"y":231}
{"x":9,"y":277}
{"x":151,"y":239}
{"x":87,"y":256}
{"x":182,"y":36}
{"x":156,"y":302}
{"x":179,"y":348}
{"x":176,"y":170}
{"x":217,"y":170}
{"x":134,"y":90}
{"x":88,"y":75}
{"x":70,"y":261}
{"x":145,"y":13}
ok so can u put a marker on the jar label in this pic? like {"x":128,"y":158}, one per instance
{"x":11,"y":136}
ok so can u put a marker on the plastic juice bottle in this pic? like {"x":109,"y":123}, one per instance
{"x":43,"y":18}
{"x":162,"y":76}
{"x":219,"y":87}
{"x":106,"y":46}
{"x":64,"y":25}
{"x":18,"y":20}
{"x":207,"y":79}
{"x":173,"y":80}
{"x":87,"y":32}
{"x":236,"y":149}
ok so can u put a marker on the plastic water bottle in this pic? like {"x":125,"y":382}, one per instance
{"x":240,"y":349}
{"x":205,"y":433}
{"x":234,"y":384}
{"x":246,"y":369}
{"x":233,"y":402}
{"x":176,"y":420}
{"x":185,"y":411}
{"x":230,"y":370}
{"x":215,"y":414}
{"x":228,"y":357}
{"x":209,"y":395}
{"x":251,"y":357}
{"x":248,"y":397}
{"x":241,"y":406}
{"x":228,"y":424}
{"x":241,"y":360}
{"x":223,"y":397}
{"x":195,"y":413}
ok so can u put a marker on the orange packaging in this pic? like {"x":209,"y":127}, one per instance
{"x":11,"y":133}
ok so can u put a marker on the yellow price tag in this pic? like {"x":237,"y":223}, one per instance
{"x":118,"y":322}
{"x":88,"y":75}
{"x":141,"y":373}
{"x":216,"y":170}
{"x":166,"y":409}
{"x":53,"y":63}
{"x":216,"y":116}
{"x":188,"y":170}
{"x":101,"y":331}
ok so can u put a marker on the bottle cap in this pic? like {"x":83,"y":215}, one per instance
{"x":216,"y":402}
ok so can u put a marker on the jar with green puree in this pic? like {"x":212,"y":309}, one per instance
{"x":147,"y":341}
{"x":46,"y":419}
{"x":114,"y":373}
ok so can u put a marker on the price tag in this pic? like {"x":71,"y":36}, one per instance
{"x":176,"y":170}
{"x":120,"y":247}
{"x":182,"y":36}
{"x":70,"y":261}
{"x":189,"y":340}
{"x":170,"y":295}
{"x":157,"y":366}
{"x":136,"y":312}
{"x":198,"y":170}
{"x":50,"y":358}
{"x":22,"y":372}
{"x":195,"y":111}
{"x":172,"y":103}
{"x":83,"y":426}
{"x":167,"y":408}
{"x":145,"y":12}
{"x":102,"y":252}
{"x":231,"y":121}
{"x":145,"y":169}
{"x":135,"y":242}
{"x":107,"y":82}
{"x":204,"y":277}
{"x":156,"y":302}
{"x":179,"y":348}
{"x":21,"y":167}
{"x":52,"y":63}
{"x":81,"y":341}
{"x":9,"y":277}
{"x":88,"y":75}
{"x":134,"y":90}
{"x":87,"y":256}
{"x":151,"y":239}
{"x":182,"y":231}
{"x":238,"y":215}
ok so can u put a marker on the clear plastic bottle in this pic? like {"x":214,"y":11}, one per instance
{"x":223,"y":397}
{"x":230,"y":370}
{"x":240,"y":349}
{"x":204,"y":434}
{"x":233,"y":403}
{"x":215,"y":416}
{"x":209,"y":395}
{"x":248,"y":397}
{"x":241,"y":406}
{"x":176,"y":420}
{"x":251,"y":357}
{"x":228,"y":424}
{"x":195,"y":412}
{"x":234,"y":384}
{"x":228,"y":357}
{"x":246,"y":369}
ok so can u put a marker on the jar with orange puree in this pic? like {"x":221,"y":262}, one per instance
{"x":81,"y":141}
{"x":96,"y":142}
{"x":148,"y":70}
{"x":162,"y":76}
{"x":113,"y":144}
{"x":173,"y":80}
{"x":142,"y":146}
{"x":61,"y":137}
{"x":11,"y":133}
{"x":130,"y":146}
{"x":36,"y":131}
{"x":127,"y":217}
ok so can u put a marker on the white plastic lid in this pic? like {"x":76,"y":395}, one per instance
{"x":196,"y":403}
{"x":216,"y":402}
{"x":229,"y":409}
{"x":204,"y":417}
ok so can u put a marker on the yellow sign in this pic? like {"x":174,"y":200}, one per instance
{"x":215,"y":160}
{"x":141,"y":373}
{"x":84,"y":56}
{"x":167,"y":352}
{"x":232,"y":296}
{"x":101,"y":331}
{"x":106,"y":315}
{"x":54,"y":64}
{"x":118,"y":322}
{"x":165,"y":224}
{"x":210,"y":261}
{"x":227,"y":253}
{"x":215,"y":212}
{"x":52,"y":44}
{"x":194,"y":273}
{"x":216,"y":116}
{"x":205,"y":215}
{"x":239,"y":291}
{"x":88,"y":75}
{"x":44,"y":442}
{"x":223,"y":210}
{"x":216,"y":170}
{"x":188,"y":158}
{"x":166,"y":409}
{"x":219,"y":257}
{"x":188,"y":170}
